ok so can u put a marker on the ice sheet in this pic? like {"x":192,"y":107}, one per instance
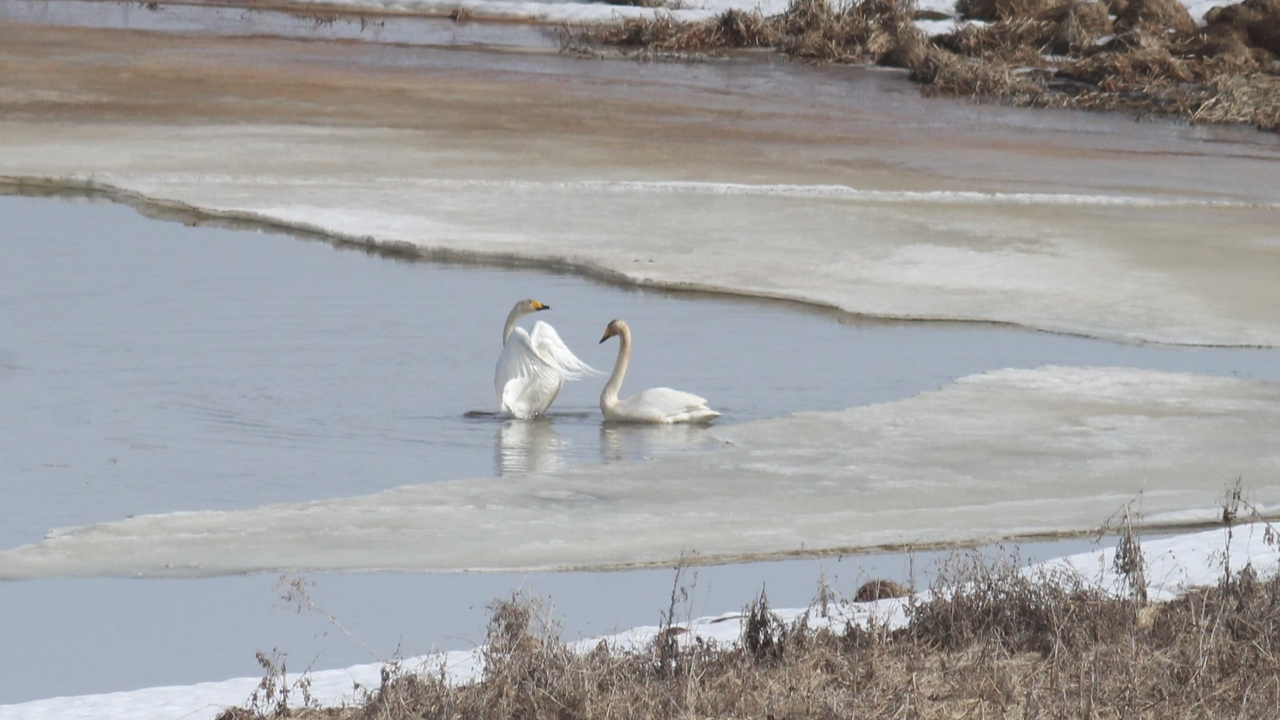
{"x":1006,"y":454}
{"x":833,"y":186}
{"x":1133,"y":267}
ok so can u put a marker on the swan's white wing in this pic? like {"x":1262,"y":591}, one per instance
{"x":664,"y":405}
{"x":524,"y":383}
{"x":546,"y":341}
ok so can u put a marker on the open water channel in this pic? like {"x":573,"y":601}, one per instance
{"x":151,"y":367}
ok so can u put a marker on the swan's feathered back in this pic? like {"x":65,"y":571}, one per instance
{"x":657,"y":405}
{"x":664,"y":405}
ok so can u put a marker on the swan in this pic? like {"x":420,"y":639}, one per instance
{"x":657,"y":405}
{"x":533,"y":366}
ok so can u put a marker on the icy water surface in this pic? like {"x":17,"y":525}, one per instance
{"x":153,"y":368}
{"x":149,"y":367}
{"x":80,"y":636}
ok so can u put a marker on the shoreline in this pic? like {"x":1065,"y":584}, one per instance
{"x":628,"y":171}
{"x":969,"y":590}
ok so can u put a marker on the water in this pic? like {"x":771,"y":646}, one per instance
{"x":151,"y":367}
{"x":80,"y":636}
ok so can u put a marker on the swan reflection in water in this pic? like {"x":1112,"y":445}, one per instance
{"x":622,"y":442}
{"x":553,"y":443}
{"x":525,"y":446}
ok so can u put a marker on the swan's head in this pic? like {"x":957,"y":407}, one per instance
{"x":528,"y":306}
{"x":617,"y":327}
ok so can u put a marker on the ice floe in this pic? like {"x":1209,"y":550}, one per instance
{"x":1013,"y":453}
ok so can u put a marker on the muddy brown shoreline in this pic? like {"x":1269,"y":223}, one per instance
{"x":1147,"y":57}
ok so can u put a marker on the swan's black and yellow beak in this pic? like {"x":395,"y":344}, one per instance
{"x":608,"y":333}
{"x":539,"y":306}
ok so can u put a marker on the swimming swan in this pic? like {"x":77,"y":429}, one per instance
{"x":658,"y":405}
{"x":533,"y":366}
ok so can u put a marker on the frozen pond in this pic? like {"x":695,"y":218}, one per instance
{"x":210,"y":406}
{"x":837,"y":186}
{"x":150,"y":367}
{"x":155,"y":368}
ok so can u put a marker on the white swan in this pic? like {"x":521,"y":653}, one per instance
{"x":533,"y":366}
{"x":658,"y":405}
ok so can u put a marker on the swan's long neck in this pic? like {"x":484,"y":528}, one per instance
{"x":610,"y":394}
{"x":512,"y":318}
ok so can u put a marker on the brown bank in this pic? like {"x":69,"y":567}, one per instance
{"x":1144,"y":56}
{"x":994,"y":642}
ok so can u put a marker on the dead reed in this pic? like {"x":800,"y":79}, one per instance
{"x":1143,"y":56}
{"x":991,"y":641}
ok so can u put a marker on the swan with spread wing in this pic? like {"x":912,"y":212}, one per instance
{"x":656,"y":405}
{"x":533,"y":365}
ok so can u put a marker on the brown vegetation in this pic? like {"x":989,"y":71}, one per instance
{"x":1147,"y":56}
{"x":993,"y":641}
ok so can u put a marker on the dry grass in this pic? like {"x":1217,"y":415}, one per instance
{"x":662,"y":35}
{"x":812,"y":30}
{"x":992,"y":642}
{"x":1151,"y":59}
{"x":1001,"y":646}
